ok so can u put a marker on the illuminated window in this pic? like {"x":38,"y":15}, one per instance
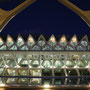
{"x":52,"y":40}
{"x":9,"y":41}
{"x":74,"y":41}
{"x":20,"y":41}
{"x":1,"y":41}
{"x":63,"y":41}
{"x":30,"y":41}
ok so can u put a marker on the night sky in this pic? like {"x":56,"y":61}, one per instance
{"x":46,"y":17}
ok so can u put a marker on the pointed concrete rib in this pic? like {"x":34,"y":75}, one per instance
{"x":85,"y":15}
{"x":6,"y":16}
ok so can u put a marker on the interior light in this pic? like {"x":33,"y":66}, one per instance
{"x":9,"y":39}
{"x":30,"y":39}
{"x":52,"y":39}
{"x":1,"y":85}
{"x":1,"y":40}
{"x":46,"y":86}
{"x":74,"y":39}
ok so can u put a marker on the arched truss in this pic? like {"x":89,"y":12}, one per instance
{"x":85,"y":15}
{"x":6,"y":16}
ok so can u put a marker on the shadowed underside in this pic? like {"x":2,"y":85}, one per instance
{"x":6,"y":16}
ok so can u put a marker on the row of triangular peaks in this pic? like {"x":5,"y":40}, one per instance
{"x":41,"y":38}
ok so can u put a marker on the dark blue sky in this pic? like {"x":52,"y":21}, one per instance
{"x":46,"y":17}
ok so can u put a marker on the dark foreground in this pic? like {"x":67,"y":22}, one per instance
{"x":25,"y":88}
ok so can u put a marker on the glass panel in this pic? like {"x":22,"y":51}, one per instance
{"x":14,"y":47}
{"x":70,"y":63}
{"x":74,"y":41}
{"x":23,"y":81}
{"x":72,"y":81}
{"x":1,"y":81}
{"x":1,"y":41}
{"x":30,"y":41}
{"x":84,"y":41}
{"x":35,"y":72}
{"x":1,"y":71}
{"x":20,"y":41}
{"x":10,"y":62}
{"x":11,"y":72}
{"x":9,"y":41}
{"x":23,"y":63}
{"x":23,"y":72}
{"x":52,"y":41}
{"x":35,"y":81}
{"x":25,"y":47}
{"x":80,"y":48}
{"x":2,"y":63}
{"x":69,"y":48}
{"x":46,"y":81}
{"x":58,"y":63}
{"x":57,"y":47}
{"x":11,"y":81}
{"x":19,"y":58}
{"x":35,"y":47}
{"x":59,"y":81}
{"x":41,"y":41}
{"x":46,"y":72}
{"x":59,"y":72}
{"x":3,"y":47}
{"x":35,"y":63}
{"x":47,"y":63}
{"x":47,"y":47}
{"x":63,"y":41}
{"x":82,"y":63}
{"x":84,"y":72}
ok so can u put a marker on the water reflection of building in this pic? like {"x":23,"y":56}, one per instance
{"x":57,"y":63}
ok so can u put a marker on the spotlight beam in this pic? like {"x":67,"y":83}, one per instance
{"x":85,"y":15}
{"x":6,"y":16}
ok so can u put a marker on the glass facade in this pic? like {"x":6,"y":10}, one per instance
{"x":44,"y":62}
{"x":42,"y":45}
